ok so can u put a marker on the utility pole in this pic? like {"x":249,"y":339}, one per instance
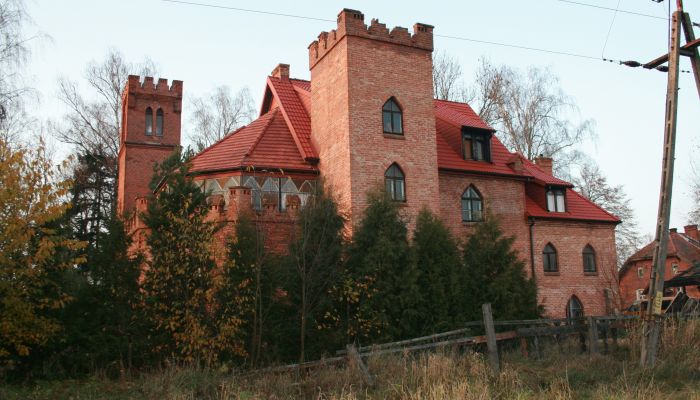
{"x":653,"y":315}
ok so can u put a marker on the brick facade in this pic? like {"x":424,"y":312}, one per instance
{"x":683,"y":252}
{"x":332,"y":127}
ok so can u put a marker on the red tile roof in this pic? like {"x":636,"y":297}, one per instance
{"x":294,"y":113}
{"x":679,"y":245}
{"x":577,"y":208}
{"x":266,"y":143}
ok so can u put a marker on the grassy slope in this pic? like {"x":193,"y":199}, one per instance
{"x":562,"y":374}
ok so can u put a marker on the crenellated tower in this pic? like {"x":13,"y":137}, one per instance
{"x":150,"y":132}
{"x":356,"y":70}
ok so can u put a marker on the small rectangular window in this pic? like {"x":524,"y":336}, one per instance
{"x":476,"y":145}
{"x":556,"y":200}
{"x":674,"y":268}
{"x":640,"y":272}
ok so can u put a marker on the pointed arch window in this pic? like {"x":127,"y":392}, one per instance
{"x":589,"y":259}
{"x":549,"y":258}
{"x":149,"y":121}
{"x":159,"y":122}
{"x":574,"y":308}
{"x":395,"y":183}
{"x":472,"y":205}
{"x":392,"y":117}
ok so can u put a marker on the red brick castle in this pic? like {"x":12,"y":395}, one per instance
{"x":368,"y":117}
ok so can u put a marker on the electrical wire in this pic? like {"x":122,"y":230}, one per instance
{"x":514,"y":46}
{"x":578,"y":3}
{"x":602,"y":52}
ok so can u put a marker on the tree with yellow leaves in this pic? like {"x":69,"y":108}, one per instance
{"x":33,"y":251}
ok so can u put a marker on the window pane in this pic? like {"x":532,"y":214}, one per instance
{"x":478,"y":150}
{"x":400,"y":195}
{"x":397,"y":123}
{"x":467,"y":145}
{"x":149,"y":121}
{"x":550,"y":201}
{"x":159,"y":122}
{"x":389,"y":187}
{"x":561,"y":207}
{"x":466,"y":212}
{"x":387,"y":121}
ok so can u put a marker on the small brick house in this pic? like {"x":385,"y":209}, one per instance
{"x":683,"y":252}
{"x":366,"y":118}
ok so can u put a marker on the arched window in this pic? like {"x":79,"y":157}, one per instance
{"x":159,"y":122}
{"x":549,"y":258}
{"x":392,"y":117}
{"x":395,"y":183}
{"x":149,"y":121}
{"x":589,"y":259}
{"x":574,"y":308}
{"x":471,"y":205}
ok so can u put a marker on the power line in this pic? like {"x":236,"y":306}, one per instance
{"x":191,"y":3}
{"x":514,"y":46}
{"x":617,"y":8}
{"x":578,"y":3}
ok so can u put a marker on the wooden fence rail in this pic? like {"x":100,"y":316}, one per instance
{"x":588,"y":328}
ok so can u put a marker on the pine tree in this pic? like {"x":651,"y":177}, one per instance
{"x":494,"y":274}
{"x":315,"y":253}
{"x":381,"y":289}
{"x":105,"y":326}
{"x":436,"y":256}
{"x":178,"y":279}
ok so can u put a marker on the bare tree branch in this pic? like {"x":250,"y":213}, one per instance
{"x":220,"y":113}
{"x":591,"y":183}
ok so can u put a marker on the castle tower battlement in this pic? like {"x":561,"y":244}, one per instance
{"x":352,"y":23}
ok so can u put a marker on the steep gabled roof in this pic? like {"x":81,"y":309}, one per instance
{"x":679,"y":245}
{"x":266,"y":143}
{"x":294,"y":112}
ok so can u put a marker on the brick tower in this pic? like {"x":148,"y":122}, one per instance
{"x":150,"y":133}
{"x":355,"y":70}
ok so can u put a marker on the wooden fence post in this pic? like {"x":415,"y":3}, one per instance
{"x":353,"y":355}
{"x":491,"y":338}
{"x":592,"y":336}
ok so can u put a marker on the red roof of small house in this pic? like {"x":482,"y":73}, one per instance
{"x":281,"y":139}
{"x":266,"y":143}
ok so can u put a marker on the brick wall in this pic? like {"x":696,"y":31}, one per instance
{"x":504,"y":198}
{"x":569,"y":238}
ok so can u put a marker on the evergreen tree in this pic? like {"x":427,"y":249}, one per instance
{"x":105,"y":324}
{"x":241,"y":294}
{"x":315,"y":253}
{"x":178,"y":279}
{"x":381,"y":290}
{"x":494,"y":274}
{"x":436,"y":256}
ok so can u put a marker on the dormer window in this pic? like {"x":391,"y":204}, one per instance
{"x":556,"y":201}
{"x":392,"y":117}
{"x":476,"y":145}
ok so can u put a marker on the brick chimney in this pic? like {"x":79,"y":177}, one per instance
{"x":545,"y":163}
{"x":692,"y":232}
{"x":281,"y":71}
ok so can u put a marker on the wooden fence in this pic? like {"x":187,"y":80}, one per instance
{"x":591,"y":331}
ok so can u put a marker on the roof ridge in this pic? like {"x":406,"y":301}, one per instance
{"x":273,"y":114}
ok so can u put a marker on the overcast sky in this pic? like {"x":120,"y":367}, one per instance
{"x":207,"y":47}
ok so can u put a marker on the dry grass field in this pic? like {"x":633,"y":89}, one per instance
{"x":563,"y":373}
